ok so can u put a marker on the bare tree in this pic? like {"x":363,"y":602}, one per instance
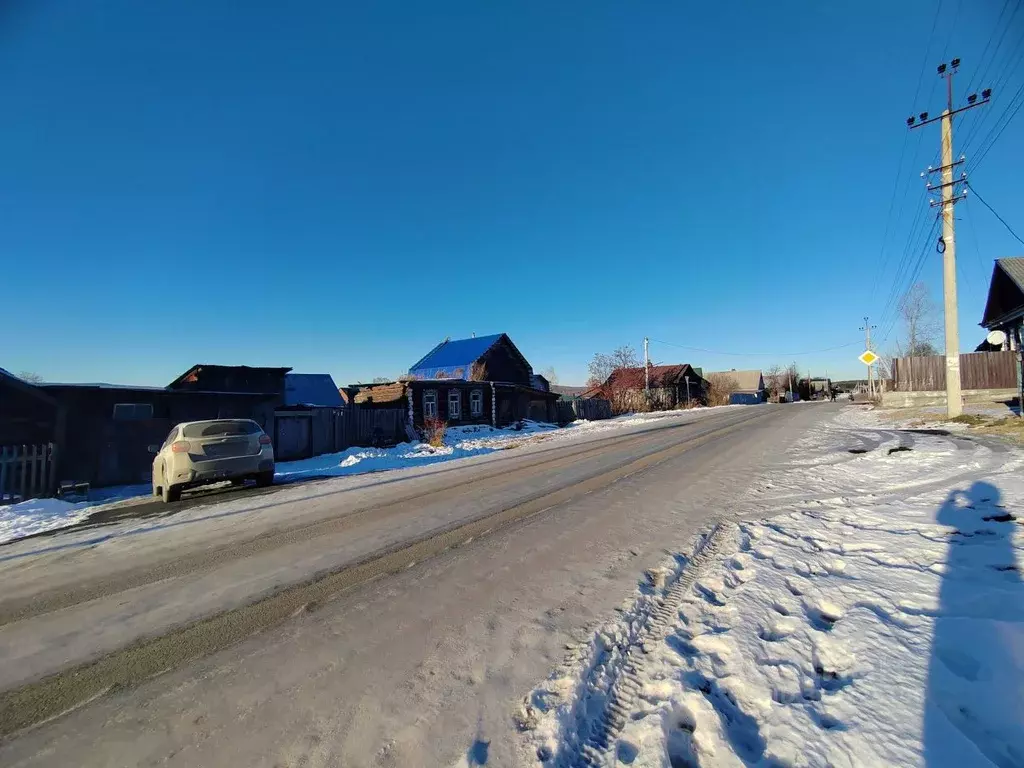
{"x":602,"y":365}
{"x":30,"y":377}
{"x":550,"y":374}
{"x":381,"y":380}
{"x":720,"y":386}
{"x":775,"y":382}
{"x":920,"y":321}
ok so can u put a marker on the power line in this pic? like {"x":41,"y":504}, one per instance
{"x":750,"y":354}
{"x":884,"y":254}
{"x":995,"y":213}
{"x":986,"y":144}
{"x":913,"y":275}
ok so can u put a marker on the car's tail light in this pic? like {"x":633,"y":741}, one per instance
{"x":180,"y":446}
{"x":264,"y":439}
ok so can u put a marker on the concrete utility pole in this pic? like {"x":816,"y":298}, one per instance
{"x":867,"y":346}
{"x":947,"y":243}
{"x":647,"y":365}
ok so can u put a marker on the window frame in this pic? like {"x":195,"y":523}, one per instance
{"x":455,"y":397}
{"x":476,"y":402}
{"x":134,"y":411}
{"x":429,"y":398}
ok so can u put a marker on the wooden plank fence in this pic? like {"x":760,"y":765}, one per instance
{"x":978,"y":370}
{"x":591,"y":409}
{"x":372,"y":427}
{"x":27,"y":472}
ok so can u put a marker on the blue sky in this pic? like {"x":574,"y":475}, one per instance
{"x":338,"y":188}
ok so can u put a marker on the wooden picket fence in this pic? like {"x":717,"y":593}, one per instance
{"x":27,"y":472}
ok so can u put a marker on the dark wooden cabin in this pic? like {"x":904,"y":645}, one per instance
{"x":480,"y":380}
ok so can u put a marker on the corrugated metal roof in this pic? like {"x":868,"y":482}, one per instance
{"x":311,"y":389}
{"x":453,"y":359}
{"x":746,"y":381}
{"x":657,"y":375}
{"x":1005,"y":301}
{"x":1014,"y":268}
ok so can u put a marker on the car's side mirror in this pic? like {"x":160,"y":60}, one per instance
{"x":154,"y":449}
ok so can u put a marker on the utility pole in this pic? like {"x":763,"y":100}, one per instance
{"x":947,"y":243}
{"x":647,"y":366}
{"x":867,"y":345}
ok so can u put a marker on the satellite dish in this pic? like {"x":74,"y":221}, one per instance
{"x":996,"y":338}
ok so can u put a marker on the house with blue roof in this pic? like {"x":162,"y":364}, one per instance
{"x":479,"y":380}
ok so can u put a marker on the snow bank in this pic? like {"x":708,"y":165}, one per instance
{"x":463,"y":442}
{"x":38,"y":515}
{"x":879,"y":621}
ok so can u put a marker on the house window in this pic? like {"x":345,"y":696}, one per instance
{"x":430,"y":404}
{"x":454,"y":404}
{"x":132,"y":411}
{"x":476,"y":402}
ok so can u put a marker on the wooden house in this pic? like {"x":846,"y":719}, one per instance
{"x":479,"y":380}
{"x":662,"y":387}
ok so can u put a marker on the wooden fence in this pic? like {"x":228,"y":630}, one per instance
{"x":301,"y":434}
{"x":591,"y":409}
{"x":978,"y":370}
{"x":27,"y":471}
{"x":373,"y":427}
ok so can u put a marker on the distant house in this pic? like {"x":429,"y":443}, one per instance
{"x":479,"y":380}
{"x":663,"y":387}
{"x":569,"y":393}
{"x":749,"y":388}
{"x":311,"y":389}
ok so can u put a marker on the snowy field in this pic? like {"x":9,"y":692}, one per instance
{"x":40,"y":515}
{"x":876,"y":619}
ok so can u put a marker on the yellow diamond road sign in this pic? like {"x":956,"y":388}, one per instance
{"x":868,"y":357}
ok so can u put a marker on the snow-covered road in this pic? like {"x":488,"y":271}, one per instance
{"x":877,"y":618}
{"x":858,"y":603}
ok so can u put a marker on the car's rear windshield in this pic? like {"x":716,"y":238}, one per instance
{"x":221,"y":429}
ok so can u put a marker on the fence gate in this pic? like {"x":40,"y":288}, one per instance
{"x":27,"y":471}
{"x":294,"y":439}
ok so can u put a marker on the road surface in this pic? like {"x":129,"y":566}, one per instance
{"x":393,"y":619}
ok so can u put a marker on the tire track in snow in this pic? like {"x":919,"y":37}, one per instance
{"x":599,"y":717}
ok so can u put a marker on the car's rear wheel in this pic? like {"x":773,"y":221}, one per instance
{"x":263,"y":479}
{"x":171,"y":493}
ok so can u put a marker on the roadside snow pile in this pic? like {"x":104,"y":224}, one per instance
{"x":37,"y":515}
{"x":459,"y":442}
{"x":462,"y":442}
{"x":860,"y":628}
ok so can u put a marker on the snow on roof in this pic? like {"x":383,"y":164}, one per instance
{"x":453,"y":359}
{"x":311,"y":389}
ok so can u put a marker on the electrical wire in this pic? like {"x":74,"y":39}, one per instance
{"x":883,"y":253}
{"x":995,"y":213}
{"x":750,"y":354}
{"x":987,"y":145}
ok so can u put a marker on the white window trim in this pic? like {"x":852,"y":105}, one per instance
{"x":455,"y":397}
{"x":429,"y":403}
{"x":476,"y":402}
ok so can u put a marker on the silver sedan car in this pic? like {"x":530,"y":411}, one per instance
{"x":201,"y":452}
